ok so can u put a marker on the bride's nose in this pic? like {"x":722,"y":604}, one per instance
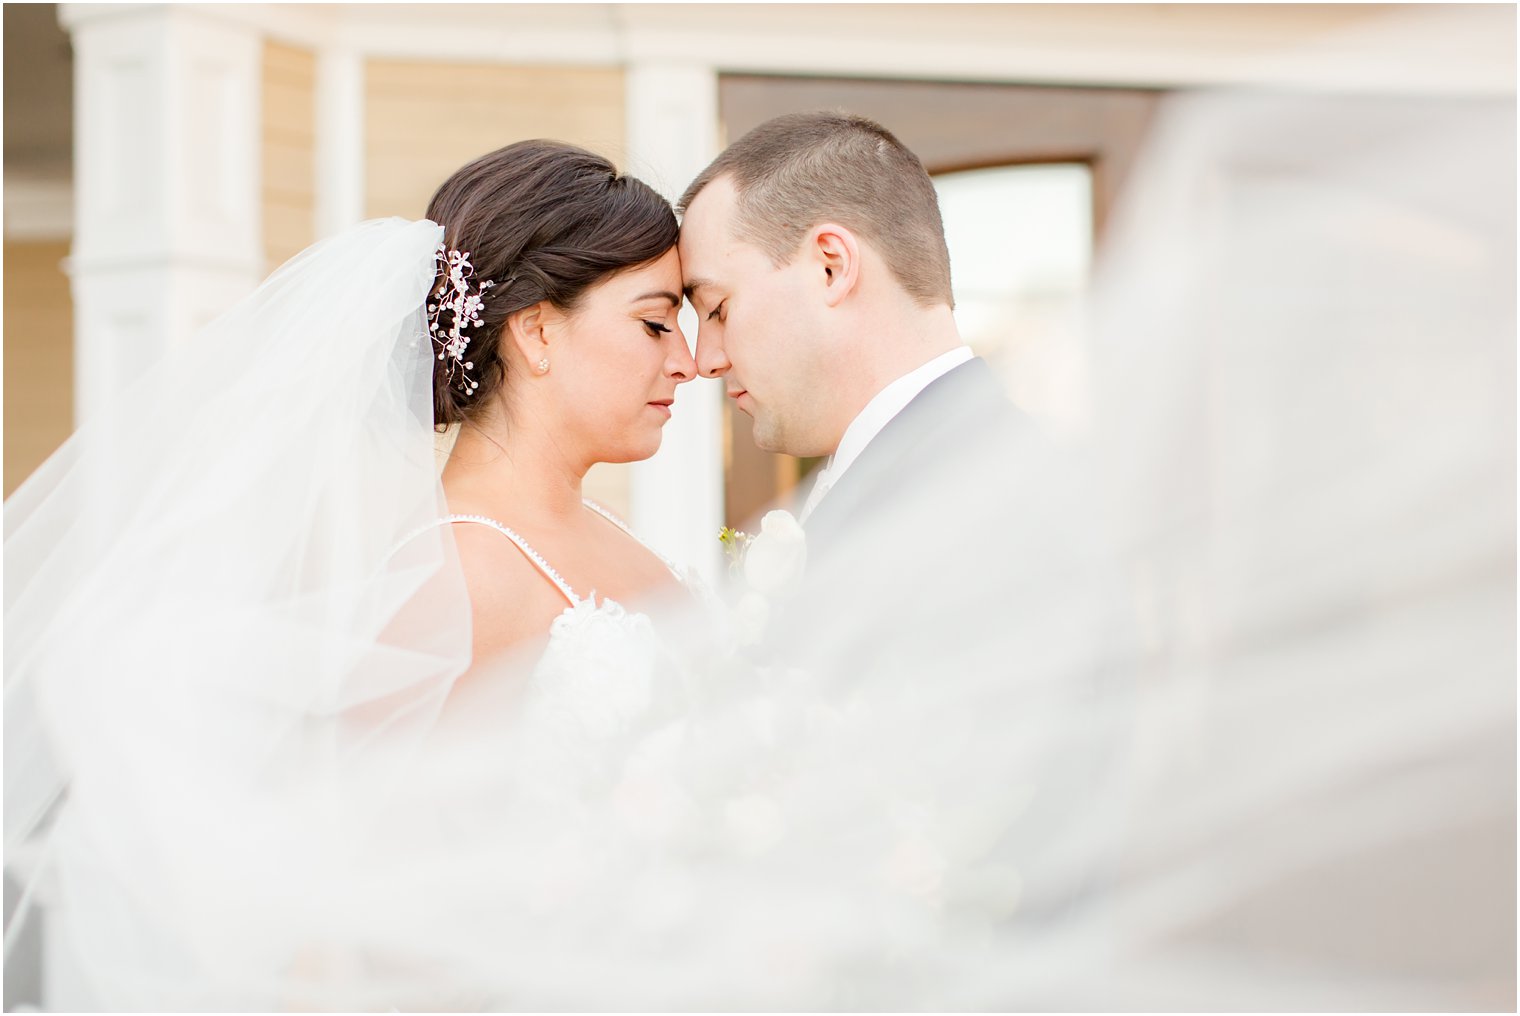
{"x":679,"y":364}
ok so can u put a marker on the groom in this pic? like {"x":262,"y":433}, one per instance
{"x":814,"y":255}
{"x":945,"y":547}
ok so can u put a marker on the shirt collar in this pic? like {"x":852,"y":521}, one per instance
{"x":887,"y":403}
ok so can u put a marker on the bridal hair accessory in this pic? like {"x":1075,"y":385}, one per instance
{"x":464,"y":308}
{"x":543,"y":365}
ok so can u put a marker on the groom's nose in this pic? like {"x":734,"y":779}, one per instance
{"x":712,"y":361}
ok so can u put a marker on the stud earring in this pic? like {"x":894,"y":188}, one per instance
{"x":543,"y":365}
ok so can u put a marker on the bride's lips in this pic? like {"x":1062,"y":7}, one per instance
{"x":663,"y":405}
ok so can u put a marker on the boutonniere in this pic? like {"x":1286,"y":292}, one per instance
{"x":735,"y":543}
{"x":766,"y":564}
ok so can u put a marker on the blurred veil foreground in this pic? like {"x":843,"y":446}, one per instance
{"x":1208,"y":704}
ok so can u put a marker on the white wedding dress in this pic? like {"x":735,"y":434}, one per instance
{"x":1284,"y":779}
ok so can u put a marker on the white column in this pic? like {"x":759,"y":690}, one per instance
{"x":340,"y":140}
{"x":167,"y":210}
{"x":676,"y":497}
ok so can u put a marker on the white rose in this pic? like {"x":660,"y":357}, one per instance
{"x":775,"y":558}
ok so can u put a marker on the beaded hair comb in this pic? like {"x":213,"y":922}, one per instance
{"x":465,"y":306}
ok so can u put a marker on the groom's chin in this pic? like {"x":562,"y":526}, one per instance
{"x":768,"y":442}
{"x":766,"y":435}
{"x":774,"y":439}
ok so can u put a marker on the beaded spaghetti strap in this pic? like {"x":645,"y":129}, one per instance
{"x":532,"y":555}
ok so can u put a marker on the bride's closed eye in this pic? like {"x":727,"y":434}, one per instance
{"x":655,"y":328}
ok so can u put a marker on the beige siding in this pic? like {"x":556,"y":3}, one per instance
{"x":424,"y":120}
{"x":289,"y":128}
{"x":39,"y":355}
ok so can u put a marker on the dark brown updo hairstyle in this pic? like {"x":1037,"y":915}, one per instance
{"x":542,"y":220}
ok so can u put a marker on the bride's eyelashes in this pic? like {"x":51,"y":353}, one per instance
{"x":655,"y":328}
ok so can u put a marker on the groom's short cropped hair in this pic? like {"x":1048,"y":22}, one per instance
{"x":801,"y":169}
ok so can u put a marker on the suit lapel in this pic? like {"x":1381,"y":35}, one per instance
{"x":946,"y":406}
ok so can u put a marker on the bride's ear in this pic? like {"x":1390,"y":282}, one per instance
{"x":528,"y":330}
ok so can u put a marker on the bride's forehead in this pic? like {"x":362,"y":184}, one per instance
{"x":659,"y":276}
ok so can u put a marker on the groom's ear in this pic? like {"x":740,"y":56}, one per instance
{"x":836,"y":253}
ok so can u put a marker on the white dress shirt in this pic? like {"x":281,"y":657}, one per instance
{"x":877,"y":413}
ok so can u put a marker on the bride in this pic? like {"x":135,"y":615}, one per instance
{"x":562,"y":351}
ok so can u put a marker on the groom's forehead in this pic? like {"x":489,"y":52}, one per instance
{"x":709,"y":217}
{"x":719,"y":263}
{"x":705,"y":243}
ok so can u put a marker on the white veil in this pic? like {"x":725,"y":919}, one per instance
{"x":209,"y":595}
{"x":1210,"y":706}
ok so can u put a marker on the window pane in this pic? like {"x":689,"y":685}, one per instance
{"x":1021,"y":247}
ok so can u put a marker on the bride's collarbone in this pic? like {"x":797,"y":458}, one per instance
{"x":590,"y":556}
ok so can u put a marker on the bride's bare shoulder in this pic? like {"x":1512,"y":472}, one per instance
{"x":511,"y":601}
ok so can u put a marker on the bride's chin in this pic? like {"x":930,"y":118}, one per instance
{"x":630,"y":452}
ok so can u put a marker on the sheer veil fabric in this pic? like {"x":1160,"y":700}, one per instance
{"x":209,"y":602}
{"x":1205,"y":703}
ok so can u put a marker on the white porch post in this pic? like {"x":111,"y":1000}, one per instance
{"x":340,"y":140}
{"x":676,"y":497}
{"x":167,"y":204}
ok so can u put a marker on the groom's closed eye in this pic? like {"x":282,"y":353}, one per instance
{"x":691,"y":288}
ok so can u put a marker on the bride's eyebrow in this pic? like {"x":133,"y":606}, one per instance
{"x":663,"y":294}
